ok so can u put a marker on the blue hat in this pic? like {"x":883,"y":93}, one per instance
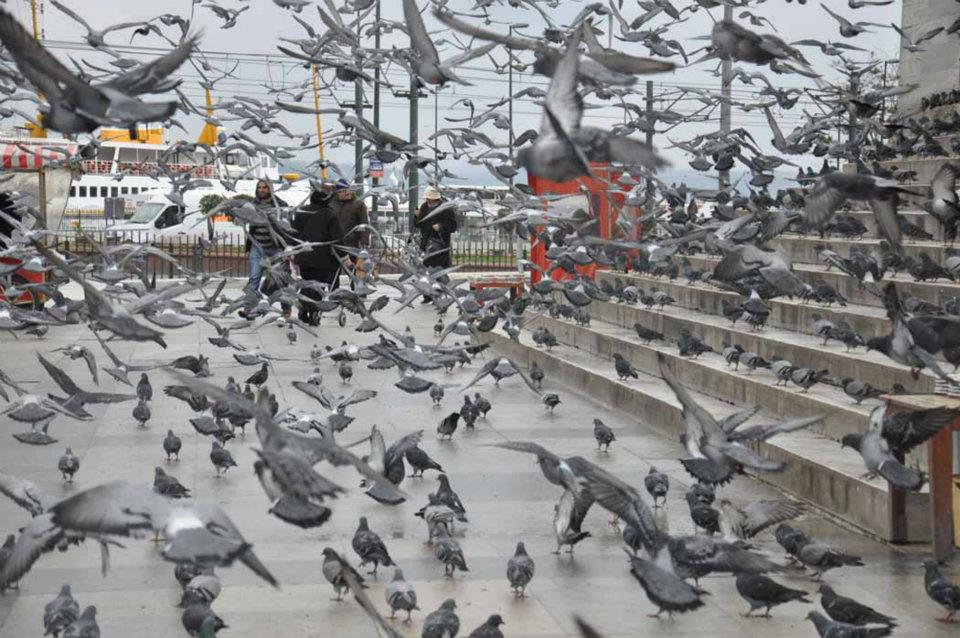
{"x":341,"y":185}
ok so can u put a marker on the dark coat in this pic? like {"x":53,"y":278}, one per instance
{"x":350,"y":213}
{"x":317,"y":222}
{"x":430,"y":238}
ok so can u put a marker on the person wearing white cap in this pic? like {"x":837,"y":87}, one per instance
{"x":435,"y":230}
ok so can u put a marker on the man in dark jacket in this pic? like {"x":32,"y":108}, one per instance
{"x":317,"y":222}
{"x":435,"y":231}
{"x":351,"y":212}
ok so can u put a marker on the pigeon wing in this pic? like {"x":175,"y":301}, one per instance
{"x":760,"y":515}
{"x":419,"y":38}
{"x":117,"y":508}
{"x":145,"y":78}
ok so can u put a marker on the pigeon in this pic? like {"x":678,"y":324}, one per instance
{"x":446,"y":496}
{"x":940,"y":590}
{"x":846,"y":610}
{"x":691,"y":346}
{"x":702,"y":515}
{"x":489,"y":629}
{"x":448,"y":425}
{"x":172,"y":445}
{"x":550,"y":401}
{"x":335,"y":570}
{"x":746,"y":522}
{"x":447,"y":551}
{"x":345,"y":371}
{"x":68,"y":465}
{"x":879,"y":460}
{"x":646,"y":334}
{"x":568,"y":517}
{"x":400,"y":595}
{"x":369,"y":547}
{"x":6,"y":555}
{"x":536,"y":375}
{"x":420,"y":461}
{"x":60,"y":612}
{"x":663,"y":587}
{"x":603,"y":434}
{"x":85,"y":626}
{"x":859,"y":390}
{"x":520,"y":569}
{"x":141,"y":412}
{"x":827,"y":628}
{"x":221,"y":458}
{"x":144,"y":389}
{"x":657,"y":485}
{"x":482,"y":404}
{"x":442,"y":623}
{"x":436,"y":394}
{"x":167,"y":485}
{"x":76,"y":106}
{"x":623,"y":367}
{"x":197,"y":616}
{"x":763,"y":592}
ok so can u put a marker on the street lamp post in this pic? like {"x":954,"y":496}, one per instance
{"x":518,"y":243}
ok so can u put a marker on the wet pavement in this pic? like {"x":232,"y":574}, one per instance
{"x":506,"y":497}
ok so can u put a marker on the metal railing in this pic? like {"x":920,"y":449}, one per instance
{"x":228,"y":255}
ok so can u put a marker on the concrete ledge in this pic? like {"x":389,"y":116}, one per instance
{"x":819,"y":472}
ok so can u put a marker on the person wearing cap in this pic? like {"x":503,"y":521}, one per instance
{"x":317,"y":222}
{"x":351,"y":212}
{"x":435,"y":232}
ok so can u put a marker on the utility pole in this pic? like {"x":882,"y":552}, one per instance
{"x":413,"y":180}
{"x":725,"y":97}
{"x":648,"y":200}
{"x":376,"y":103}
{"x":510,"y":91}
{"x":436,"y":127}
{"x":358,"y":106}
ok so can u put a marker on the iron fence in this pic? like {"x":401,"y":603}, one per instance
{"x":227,"y":254}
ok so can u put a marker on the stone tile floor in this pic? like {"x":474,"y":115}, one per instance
{"x":506,"y":497}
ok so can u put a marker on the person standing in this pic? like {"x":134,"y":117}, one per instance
{"x":263,"y":240}
{"x":316,"y":222}
{"x":435,"y":232}
{"x":351,"y":212}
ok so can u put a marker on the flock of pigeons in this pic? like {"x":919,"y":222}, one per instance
{"x":119,"y":302}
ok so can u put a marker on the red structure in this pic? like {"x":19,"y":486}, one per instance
{"x":605,"y":204}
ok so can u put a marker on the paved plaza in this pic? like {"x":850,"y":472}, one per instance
{"x":506,"y":497}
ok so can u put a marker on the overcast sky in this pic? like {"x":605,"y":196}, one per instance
{"x":259,"y":28}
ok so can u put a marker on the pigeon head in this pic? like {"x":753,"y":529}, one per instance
{"x":90,"y":613}
{"x":877,"y":343}
{"x":449,"y":604}
{"x":397,"y":574}
{"x":495,"y":620}
{"x":158,"y":471}
{"x":521,"y":549}
{"x":329,"y":553}
{"x":444,"y":481}
{"x":363,"y":523}
{"x":65,"y":590}
{"x":851,"y":440}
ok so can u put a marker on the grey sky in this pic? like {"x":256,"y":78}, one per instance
{"x":258,"y":30}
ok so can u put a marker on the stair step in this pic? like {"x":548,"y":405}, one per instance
{"x":805,"y":248}
{"x":933,"y":291}
{"x":819,"y":472}
{"x":793,"y":315}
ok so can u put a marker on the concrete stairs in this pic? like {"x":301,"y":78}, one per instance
{"x":817,"y":471}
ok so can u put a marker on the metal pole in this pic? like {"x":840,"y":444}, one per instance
{"x":725,"y":97}
{"x":376,"y":103}
{"x":436,"y":127}
{"x":649,"y":196}
{"x":510,"y":99}
{"x":358,"y":106}
{"x":413,"y":180}
{"x":316,"y":107}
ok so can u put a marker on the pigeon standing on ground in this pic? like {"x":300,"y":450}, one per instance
{"x":436,"y":394}
{"x":369,"y":547}
{"x":141,"y":412}
{"x":603,"y":434}
{"x":85,"y":626}
{"x":345,"y":370}
{"x":60,"y":612}
{"x":420,"y":462}
{"x":144,"y":389}
{"x":489,"y":629}
{"x":568,"y":518}
{"x":448,"y":552}
{"x":846,"y":610}
{"x":442,"y":623}
{"x":657,"y":484}
{"x":167,"y":485}
{"x":536,"y":375}
{"x":172,"y":445}
{"x":550,"y":401}
{"x":333,"y":570}
{"x":940,"y":590}
{"x":448,"y":425}
{"x":400,"y":595}
{"x":623,"y":367}
{"x":221,"y":458}
{"x":68,"y":465}
{"x":763,"y":592}
{"x":520,"y":570}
